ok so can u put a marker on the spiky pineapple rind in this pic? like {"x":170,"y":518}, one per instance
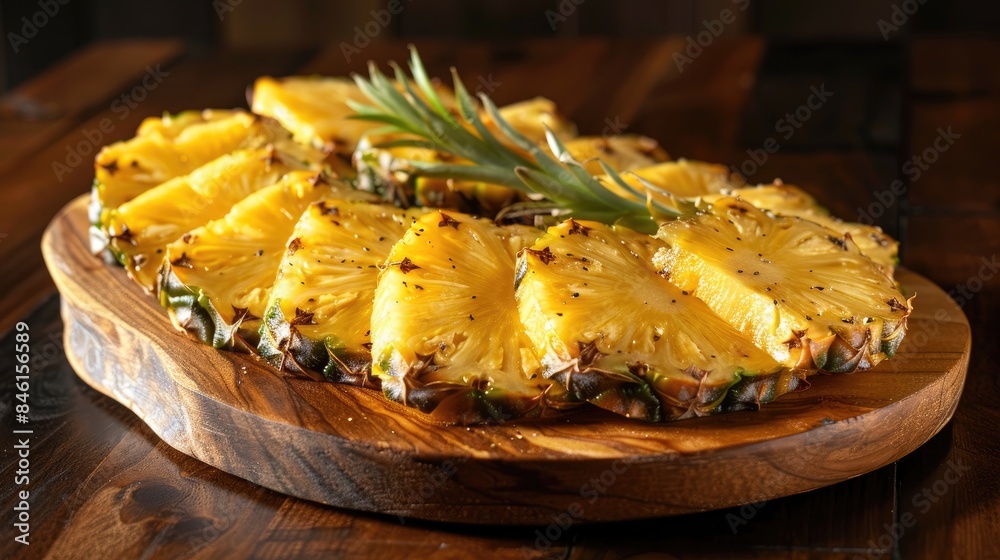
{"x":464,"y":404}
{"x":652,"y":396}
{"x":193,"y":312}
{"x":750,"y":392}
{"x":283,"y":346}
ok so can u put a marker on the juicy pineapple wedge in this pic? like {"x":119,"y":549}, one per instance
{"x":175,"y":125}
{"x":788,"y":200}
{"x":531,"y":118}
{"x":796,"y":289}
{"x":141,"y":229}
{"x":319,"y":311}
{"x":713,"y":182}
{"x":446,"y":335}
{"x":215,"y":280}
{"x":684,"y":178}
{"x":386,"y":170}
{"x":621,"y":153}
{"x":314,"y":109}
{"x":653,"y":351}
{"x":164,"y":148}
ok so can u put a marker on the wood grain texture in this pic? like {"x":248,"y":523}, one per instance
{"x":351,"y":448}
{"x":105,"y":486}
{"x":38,"y":112}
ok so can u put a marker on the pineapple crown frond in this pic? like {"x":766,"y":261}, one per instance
{"x":412,"y":106}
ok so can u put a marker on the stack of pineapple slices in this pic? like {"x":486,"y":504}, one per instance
{"x":256,"y":235}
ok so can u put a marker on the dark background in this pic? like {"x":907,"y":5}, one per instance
{"x":266,"y":23}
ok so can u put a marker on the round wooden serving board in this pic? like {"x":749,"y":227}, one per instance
{"x":352,"y":448}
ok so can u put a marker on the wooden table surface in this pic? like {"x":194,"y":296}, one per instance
{"x":103,"y":485}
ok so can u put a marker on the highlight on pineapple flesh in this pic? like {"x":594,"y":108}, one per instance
{"x":798,"y":290}
{"x":446,"y":334}
{"x":216,"y":279}
{"x":652,"y":351}
{"x":318,"y":314}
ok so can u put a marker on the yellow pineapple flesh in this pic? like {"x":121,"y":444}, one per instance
{"x":446,"y":335}
{"x":319,"y":312}
{"x":215,"y":280}
{"x":799,"y":291}
{"x":612,"y":331}
{"x":141,"y":229}
{"x":788,"y":200}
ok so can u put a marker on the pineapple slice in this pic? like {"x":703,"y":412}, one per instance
{"x":531,"y":118}
{"x":319,"y":312}
{"x":164,"y":148}
{"x":141,"y":229}
{"x":171,"y":126}
{"x":799,"y":291}
{"x":216,"y":279}
{"x":446,"y":336}
{"x":314,"y":109}
{"x":788,"y":200}
{"x":712,"y":182}
{"x":620,"y":153}
{"x":386,"y":171}
{"x":652,"y":351}
{"x":684,"y":178}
